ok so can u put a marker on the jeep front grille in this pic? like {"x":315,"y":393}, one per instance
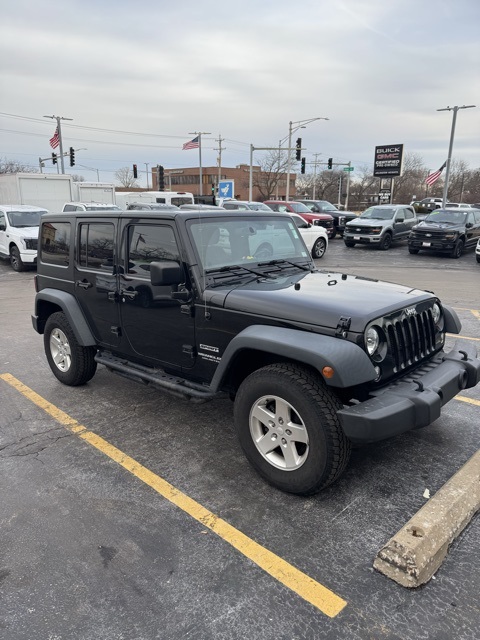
{"x":411,"y":338}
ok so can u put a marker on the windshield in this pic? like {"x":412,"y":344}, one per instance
{"x":259,"y":206}
{"x":375,"y":213}
{"x":242,"y":241}
{"x":24,"y":218}
{"x":447,"y":217}
{"x":299,"y":207}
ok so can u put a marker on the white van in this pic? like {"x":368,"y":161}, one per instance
{"x":19,"y":234}
{"x":89,"y":206}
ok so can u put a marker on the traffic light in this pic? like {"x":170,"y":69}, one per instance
{"x":302,"y":166}
{"x":213,"y":189}
{"x":72,"y":156}
{"x":135,"y":172}
{"x":298,"y":147}
{"x":161,"y":178}
{"x":330,"y":163}
{"x":54,"y":158}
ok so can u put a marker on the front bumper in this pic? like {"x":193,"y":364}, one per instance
{"x":432,"y":245}
{"x":415,"y":400}
{"x":361,"y":238}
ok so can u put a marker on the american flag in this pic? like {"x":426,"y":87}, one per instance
{"x":55,"y":140}
{"x":433,"y":177}
{"x":191,"y":144}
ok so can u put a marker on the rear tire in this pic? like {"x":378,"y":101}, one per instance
{"x":70,"y":362}
{"x":286,"y":421}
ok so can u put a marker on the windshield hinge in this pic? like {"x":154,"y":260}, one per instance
{"x":342,"y":327}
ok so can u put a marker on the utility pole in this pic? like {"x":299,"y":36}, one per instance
{"x":220,"y":149}
{"x":450,"y":148}
{"x":200,"y":134}
{"x":59,"y":129}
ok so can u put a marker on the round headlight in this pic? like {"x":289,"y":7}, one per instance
{"x":436,"y":313}
{"x":372,"y":340}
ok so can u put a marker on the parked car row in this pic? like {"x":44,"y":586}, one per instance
{"x":450,"y":230}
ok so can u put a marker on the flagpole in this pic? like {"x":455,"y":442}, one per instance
{"x":199,"y":134}
{"x":450,"y":148}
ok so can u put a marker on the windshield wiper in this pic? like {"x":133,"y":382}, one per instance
{"x":280,"y":262}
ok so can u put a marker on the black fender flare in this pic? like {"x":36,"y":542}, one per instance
{"x":350,"y":363}
{"x":70,"y":307}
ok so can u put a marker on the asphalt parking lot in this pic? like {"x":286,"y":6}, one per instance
{"x":129,"y":514}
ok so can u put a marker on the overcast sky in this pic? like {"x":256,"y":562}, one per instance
{"x":377,"y":69}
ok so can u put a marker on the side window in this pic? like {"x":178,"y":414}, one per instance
{"x":55,"y":243}
{"x":477,"y":217}
{"x":282,"y":207}
{"x":2,"y":221}
{"x":150,"y":243}
{"x":400,"y":216}
{"x":408,"y":214}
{"x":95,"y":249}
{"x":69,"y":207}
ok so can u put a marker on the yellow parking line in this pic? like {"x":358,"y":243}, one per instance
{"x":475,"y":313}
{"x":469,"y":400}
{"x":313,"y":592}
{"x":456,"y":335}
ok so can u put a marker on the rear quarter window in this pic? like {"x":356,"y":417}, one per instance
{"x":55,"y":243}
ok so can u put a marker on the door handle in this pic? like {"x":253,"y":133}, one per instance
{"x":128,"y":293}
{"x":84,"y":284}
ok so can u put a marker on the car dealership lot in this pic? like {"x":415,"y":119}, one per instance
{"x":90,"y":550}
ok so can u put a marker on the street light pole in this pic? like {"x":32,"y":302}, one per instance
{"x":292,"y":127}
{"x":450,"y":148}
{"x":146,"y":167}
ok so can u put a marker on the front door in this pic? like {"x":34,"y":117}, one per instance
{"x":154,"y":324}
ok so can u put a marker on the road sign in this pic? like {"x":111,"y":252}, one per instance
{"x":348,"y":168}
{"x":226,"y":188}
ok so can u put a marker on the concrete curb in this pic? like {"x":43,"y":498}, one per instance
{"x":413,"y":555}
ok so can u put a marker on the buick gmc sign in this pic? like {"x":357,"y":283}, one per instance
{"x":388,"y":161}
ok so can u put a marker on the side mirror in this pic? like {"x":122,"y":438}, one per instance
{"x":469,"y":225}
{"x":3,"y":227}
{"x":166,"y":273}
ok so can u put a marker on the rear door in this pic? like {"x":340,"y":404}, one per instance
{"x":473,"y":233}
{"x":96,"y":280}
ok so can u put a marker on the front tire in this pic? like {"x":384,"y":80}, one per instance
{"x":349,"y":243}
{"x":72,"y":363}
{"x":286,"y":421}
{"x":319,"y":248}
{"x":457,"y":249}
{"x":386,"y":243}
{"x":15,"y":259}
{"x":413,"y":251}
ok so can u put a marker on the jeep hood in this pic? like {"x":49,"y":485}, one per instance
{"x":321,"y":298}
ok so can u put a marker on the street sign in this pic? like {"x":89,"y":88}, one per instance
{"x":348,"y":168}
{"x":226,"y":188}
{"x":388,"y":161}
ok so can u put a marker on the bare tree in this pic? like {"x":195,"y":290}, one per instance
{"x":77,"y":178}
{"x":273,"y":169}
{"x":125,"y":177}
{"x":13,"y":166}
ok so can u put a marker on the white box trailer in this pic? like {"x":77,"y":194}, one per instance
{"x":37,"y":189}
{"x":102,"y":192}
{"x":177,"y":198}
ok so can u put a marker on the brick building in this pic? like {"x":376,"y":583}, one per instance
{"x":187,"y":179}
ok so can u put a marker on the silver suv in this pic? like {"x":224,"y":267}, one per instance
{"x":381,"y":225}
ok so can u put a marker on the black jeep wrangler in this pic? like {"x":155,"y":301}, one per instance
{"x":213,"y":303}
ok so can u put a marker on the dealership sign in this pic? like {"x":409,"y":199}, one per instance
{"x":388,"y":161}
